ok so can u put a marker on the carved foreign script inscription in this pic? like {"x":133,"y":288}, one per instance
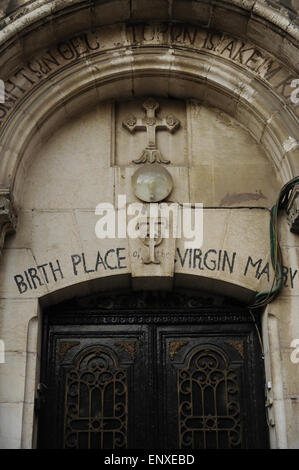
{"x":241,"y":52}
{"x":40,"y":67}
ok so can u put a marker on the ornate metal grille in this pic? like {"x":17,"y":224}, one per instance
{"x":209,"y":402}
{"x":96,"y":402}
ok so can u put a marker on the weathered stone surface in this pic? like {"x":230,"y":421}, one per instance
{"x":224,"y":71}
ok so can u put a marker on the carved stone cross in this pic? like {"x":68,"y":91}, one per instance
{"x":150,"y":123}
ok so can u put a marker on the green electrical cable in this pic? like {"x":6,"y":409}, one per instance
{"x":263,"y":298}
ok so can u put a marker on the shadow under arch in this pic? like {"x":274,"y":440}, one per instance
{"x":108,"y":285}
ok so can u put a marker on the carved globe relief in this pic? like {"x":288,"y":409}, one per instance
{"x":152,"y":183}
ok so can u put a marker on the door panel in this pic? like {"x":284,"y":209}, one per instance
{"x":96,"y":401}
{"x":151,"y":379}
{"x":208,"y":388}
{"x":92,"y":400}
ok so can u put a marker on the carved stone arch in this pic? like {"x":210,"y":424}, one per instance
{"x":243,"y":94}
{"x":188,"y":75}
{"x":268,"y":115}
{"x":247,"y":19}
{"x":134,"y":69}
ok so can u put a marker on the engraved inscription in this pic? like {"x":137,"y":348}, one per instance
{"x":242,"y":53}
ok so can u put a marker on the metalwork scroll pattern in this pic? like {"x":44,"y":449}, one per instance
{"x":209,"y":402}
{"x":96,"y":403}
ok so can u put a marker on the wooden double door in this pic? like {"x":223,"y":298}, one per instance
{"x":151,"y":371}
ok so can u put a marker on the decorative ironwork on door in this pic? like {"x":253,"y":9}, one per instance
{"x":209,"y":402}
{"x":151,"y":371}
{"x":96,"y":402}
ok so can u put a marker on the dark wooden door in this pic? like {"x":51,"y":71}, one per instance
{"x":151,"y":371}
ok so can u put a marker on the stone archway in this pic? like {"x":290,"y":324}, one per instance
{"x":217,"y":55}
{"x":183,"y":60}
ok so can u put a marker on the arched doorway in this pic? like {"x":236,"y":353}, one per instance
{"x":151,"y":370}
